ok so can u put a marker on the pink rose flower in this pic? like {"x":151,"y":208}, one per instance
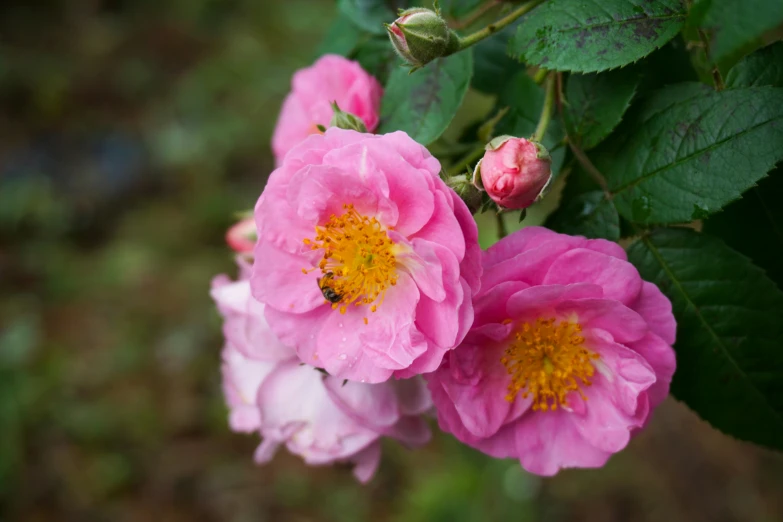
{"x":316,"y":416}
{"x":330,"y":79}
{"x":569,"y":354}
{"x":367,"y":261}
{"x":514,"y":172}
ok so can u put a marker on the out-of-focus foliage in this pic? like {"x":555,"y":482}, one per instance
{"x":130,"y":132}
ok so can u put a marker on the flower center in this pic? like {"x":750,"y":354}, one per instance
{"x":358,"y":263}
{"x":547,"y":360}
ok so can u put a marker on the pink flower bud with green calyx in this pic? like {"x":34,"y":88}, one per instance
{"x":514,"y":172}
{"x":420,"y":35}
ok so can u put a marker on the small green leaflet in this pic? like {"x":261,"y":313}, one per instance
{"x":753,"y":225}
{"x":729,"y":332}
{"x":369,"y":15}
{"x":688,"y":151}
{"x":595,"y":104}
{"x":735,"y":24}
{"x":595,"y":35}
{"x":764,"y":67}
{"x":423,"y":103}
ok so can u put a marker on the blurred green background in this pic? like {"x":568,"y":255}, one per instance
{"x":130,"y":132}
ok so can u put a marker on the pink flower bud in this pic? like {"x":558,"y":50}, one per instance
{"x":514,"y":171}
{"x":242,"y":236}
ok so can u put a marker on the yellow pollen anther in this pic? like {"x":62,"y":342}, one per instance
{"x":547,"y":360}
{"x":358,"y":263}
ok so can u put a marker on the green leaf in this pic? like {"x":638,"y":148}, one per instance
{"x":729,"y":332}
{"x":753,"y":225}
{"x":525,"y":100}
{"x":456,"y":8}
{"x":493,"y":67}
{"x":369,"y":15}
{"x":595,"y":35}
{"x":734,"y":24}
{"x":342,"y":37}
{"x":688,"y":151}
{"x":589,"y":214}
{"x":595,"y":104}
{"x":423,"y":103}
{"x":377,"y":57}
{"x":764,"y":67}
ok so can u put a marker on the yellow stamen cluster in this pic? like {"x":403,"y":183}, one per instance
{"x":547,"y":360}
{"x":358,"y":259}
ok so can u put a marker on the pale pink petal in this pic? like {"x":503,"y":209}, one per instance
{"x":624,"y":324}
{"x":542,"y":301}
{"x":661,"y":357}
{"x":367,"y":462}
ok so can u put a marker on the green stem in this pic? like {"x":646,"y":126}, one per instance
{"x":546,"y":112}
{"x":591,"y":169}
{"x":502,"y":230}
{"x":493,"y":28}
{"x":717,"y":78}
{"x":540,"y":75}
{"x":468,"y":159}
{"x":478,"y":13}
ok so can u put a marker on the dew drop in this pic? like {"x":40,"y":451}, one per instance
{"x":363,"y":380}
{"x":342,"y":356}
{"x":344,"y":339}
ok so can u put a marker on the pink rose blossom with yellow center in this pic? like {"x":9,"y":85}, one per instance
{"x":330,"y":79}
{"x":367,"y":262}
{"x":318,"y":417}
{"x":569,"y":354}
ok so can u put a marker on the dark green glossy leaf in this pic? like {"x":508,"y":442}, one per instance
{"x":595,"y":35}
{"x":729,"y":333}
{"x":596,"y":104}
{"x":424,"y":103}
{"x":734,"y":24}
{"x":588,"y":214}
{"x":764,"y":67}
{"x":753,"y":225}
{"x":688,"y":151}
{"x":493,"y":67}
{"x":342,"y":37}
{"x":369,"y":15}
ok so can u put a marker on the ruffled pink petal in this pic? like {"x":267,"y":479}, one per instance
{"x":470,"y":266}
{"x":609,"y":248}
{"x":547,"y":443}
{"x":657,"y":311}
{"x":367,"y":462}
{"x":439,"y":320}
{"x":619,"y":279}
{"x":287,"y":328}
{"x":661,"y":357}
{"x":278,"y":282}
{"x":528,"y":266}
{"x":479,"y":396}
{"x":372,"y":405}
{"x":410,"y":185}
{"x":442,"y":225}
{"x":315,"y":428}
{"x":421,"y":261}
{"x":266,"y":450}
{"x":528,"y":238}
{"x":388,"y":338}
{"x":490,"y":305}
{"x":540,"y":302}
{"x":624,"y":324}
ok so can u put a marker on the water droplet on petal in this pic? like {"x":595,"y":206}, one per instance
{"x":342,"y":356}
{"x":344,"y":339}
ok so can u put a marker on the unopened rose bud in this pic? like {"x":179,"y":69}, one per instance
{"x":242,"y":236}
{"x":420,"y":35}
{"x":514,"y":172}
{"x":346,"y":120}
{"x":462,"y":185}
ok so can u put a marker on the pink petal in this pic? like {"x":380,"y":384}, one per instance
{"x":619,"y":279}
{"x":661,"y":357}
{"x":624,"y":324}
{"x":367,"y":462}
{"x":539,"y":302}
{"x":372,"y":405}
{"x":278,"y":281}
{"x":471,"y":264}
{"x":443,"y":227}
{"x":657,"y":311}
